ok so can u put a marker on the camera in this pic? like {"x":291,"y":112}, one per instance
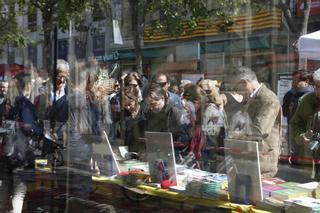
{"x":314,"y":142}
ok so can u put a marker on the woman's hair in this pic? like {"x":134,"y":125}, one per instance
{"x":194,"y":93}
{"x":132,"y":76}
{"x":131,"y":93}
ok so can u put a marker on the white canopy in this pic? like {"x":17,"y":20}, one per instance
{"x":309,"y":46}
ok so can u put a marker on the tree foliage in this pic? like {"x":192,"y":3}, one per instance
{"x":10,"y":31}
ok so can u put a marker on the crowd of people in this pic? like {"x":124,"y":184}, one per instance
{"x":80,"y":104}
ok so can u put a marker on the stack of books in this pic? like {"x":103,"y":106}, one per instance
{"x":302,"y":205}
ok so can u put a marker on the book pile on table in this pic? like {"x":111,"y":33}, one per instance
{"x":281,"y":190}
{"x":302,"y":205}
{"x":291,"y":196}
{"x":202,"y":184}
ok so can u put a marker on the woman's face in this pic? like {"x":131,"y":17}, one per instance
{"x":130,"y":105}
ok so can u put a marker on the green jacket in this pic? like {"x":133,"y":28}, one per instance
{"x":302,"y":118}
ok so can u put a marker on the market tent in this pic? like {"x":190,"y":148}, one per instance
{"x":309,"y":46}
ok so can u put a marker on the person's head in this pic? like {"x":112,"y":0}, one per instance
{"x":116,"y":86}
{"x":183,"y":82}
{"x":133,"y":79}
{"x":212,"y":92}
{"x":247,"y":81}
{"x":162,"y":80}
{"x":23,"y":83}
{"x":62,"y":72}
{"x":316,"y":80}
{"x":195,"y":94}
{"x":156,"y":98}
{"x":131,"y":99}
{"x":296,"y":78}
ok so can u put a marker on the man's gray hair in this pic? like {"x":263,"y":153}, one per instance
{"x":245,"y":73}
{"x":316,"y":75}
{"x":62,"y":65}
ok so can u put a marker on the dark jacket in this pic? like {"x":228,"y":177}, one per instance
{"x":291,"y":101}
{"x":133,"y":131}
{"x":167,"y":120}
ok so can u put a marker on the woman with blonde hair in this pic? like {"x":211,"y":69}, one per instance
{"x":213,"y":123}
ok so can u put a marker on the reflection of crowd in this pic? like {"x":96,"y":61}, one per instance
{"x":200,"y":117}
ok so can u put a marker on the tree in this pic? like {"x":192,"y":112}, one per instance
{"x":291,"y":20}
{"x":57,"y":13}
{"x":10,"y":31}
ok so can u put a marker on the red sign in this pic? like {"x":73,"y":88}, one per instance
{"x":315,"y":7}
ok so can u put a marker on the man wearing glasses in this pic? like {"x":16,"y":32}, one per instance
{"x":264,"y":111}
{"x":304,"y":125}
{"x":163,"y":81}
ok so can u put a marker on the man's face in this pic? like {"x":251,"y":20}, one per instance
{"x":155,"y":103}
{"x":61,"y":81}
{"x":245,"y":88}
{"x":4,"y":88}
{"x":163,"y":82}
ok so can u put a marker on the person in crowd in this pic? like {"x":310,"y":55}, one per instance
{"x":194,"y":100}
{"x":13,"y":187}
{"x":80,"y":136}
{"x":305,"y":122}
{"x":133,"y":79}
{"x":24,"y":112}
{"x":174,"y":88}
{"x":133,"y":120}
{"x":264,"y":111}
{"x":42,"y":100}
{"x":160,"y":115}
{"x":234,"y":101}
{"x":213,"y":123}
{"x":115,"y":109}
{"x":163,"y":81}
{"x":94,"y":108}
{"x":57,"y":113}
{"x":183,"y":82}
{"x":102,"y":88}
{"x":300,"y":87}
{"x":5,"y":102}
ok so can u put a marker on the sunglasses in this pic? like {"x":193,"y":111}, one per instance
{"x":161,"y":84}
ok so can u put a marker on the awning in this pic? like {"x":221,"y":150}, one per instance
{"x":309,"y":46}
{"x":262,"y":42}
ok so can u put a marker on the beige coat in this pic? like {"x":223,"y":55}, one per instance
{"x":264,"y":111}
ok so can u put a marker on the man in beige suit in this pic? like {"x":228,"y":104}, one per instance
{"x":264,"y":111}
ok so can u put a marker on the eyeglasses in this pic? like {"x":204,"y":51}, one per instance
{"x":161,"y":84}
